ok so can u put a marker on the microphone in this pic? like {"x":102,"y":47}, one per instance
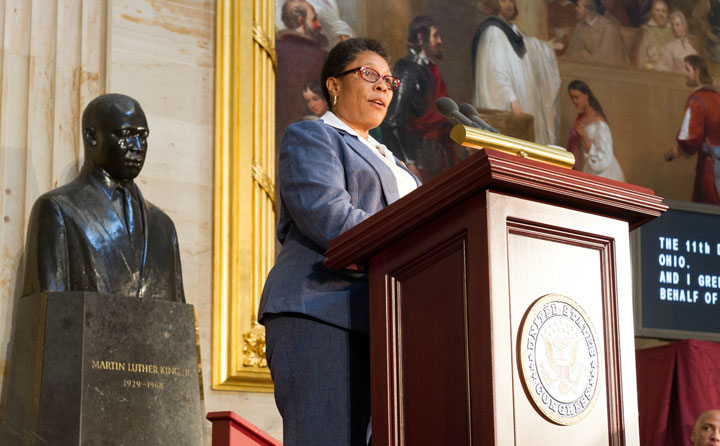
{"x":471,"y":112}
{"x":448,"y":108}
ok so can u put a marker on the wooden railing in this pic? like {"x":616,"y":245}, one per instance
{"x":230,"y":429}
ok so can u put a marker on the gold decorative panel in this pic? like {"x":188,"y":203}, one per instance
{"x":244,"y":209}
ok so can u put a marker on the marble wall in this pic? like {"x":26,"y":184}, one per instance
{"x":55,"y":56}
{"x":51,"y":63}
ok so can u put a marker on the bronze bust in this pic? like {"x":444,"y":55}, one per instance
{"x":97,"y":233}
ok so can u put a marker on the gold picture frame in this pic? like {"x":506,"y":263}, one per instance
{"x":244,"y":191}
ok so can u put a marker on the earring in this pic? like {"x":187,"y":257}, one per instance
{"x":334,"y":101}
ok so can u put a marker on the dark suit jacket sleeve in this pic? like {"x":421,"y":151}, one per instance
{"x":312,"y":183}
{"x":46,"y":252}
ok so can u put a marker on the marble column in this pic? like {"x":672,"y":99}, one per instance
{"x":51,"y":63}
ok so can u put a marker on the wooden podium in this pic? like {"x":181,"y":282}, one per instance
{"x":501,"y":306}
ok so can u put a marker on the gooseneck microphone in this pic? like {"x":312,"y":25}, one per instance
{"x":448,"y":108}
{"x":471,"y":112}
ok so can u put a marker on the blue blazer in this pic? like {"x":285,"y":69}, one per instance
{"x":329,"y":181}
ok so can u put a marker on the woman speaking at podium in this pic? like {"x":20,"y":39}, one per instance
{"x":332,"y":175}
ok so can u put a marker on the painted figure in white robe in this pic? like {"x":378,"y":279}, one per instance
{"x":516,"y":73}
{"x":592,"y":133}
{"x":679,"y":47}
{"x":335,"y":28}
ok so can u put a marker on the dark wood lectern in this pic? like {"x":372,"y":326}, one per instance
{"x":501,"y":306}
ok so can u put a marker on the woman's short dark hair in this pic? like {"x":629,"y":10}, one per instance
{"x":345,"y":52}
{"x":583,"y":88}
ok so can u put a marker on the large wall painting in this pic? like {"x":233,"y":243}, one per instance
{"x":605,"y":79}
{"x":624,"y":60}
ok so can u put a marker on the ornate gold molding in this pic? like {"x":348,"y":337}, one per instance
{"x":244,"y":211}
{"x":265,"y":42}
{"x":263,"y":180}
{"x":254,"y":350}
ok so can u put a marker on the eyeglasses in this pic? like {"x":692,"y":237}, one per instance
{"x":372,"y":76}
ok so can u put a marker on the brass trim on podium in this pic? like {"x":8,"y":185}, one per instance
{"x":244,"y":209}
{"x":479,"y":139}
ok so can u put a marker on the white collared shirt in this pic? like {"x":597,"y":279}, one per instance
{"x":405,"y":182}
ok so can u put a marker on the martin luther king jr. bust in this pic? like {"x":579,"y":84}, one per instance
{"x":97,"y":233}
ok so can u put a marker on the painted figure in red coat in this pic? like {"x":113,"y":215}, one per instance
{"x":700,"y":131}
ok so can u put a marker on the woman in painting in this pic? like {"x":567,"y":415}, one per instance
{"x":314,"y":100}
{"x":332,"y":175}
{"x":592,"y":133}
{"x":679,"y":47}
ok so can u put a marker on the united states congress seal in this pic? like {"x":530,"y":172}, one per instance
{"x":559,"y":358}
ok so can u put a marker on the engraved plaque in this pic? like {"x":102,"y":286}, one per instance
{"x":105,"y":369}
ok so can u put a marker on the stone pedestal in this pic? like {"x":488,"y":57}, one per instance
{"x":91,"y":369}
